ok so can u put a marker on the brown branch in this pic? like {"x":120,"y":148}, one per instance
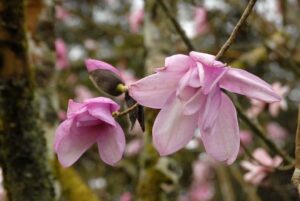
{"x":296,"y":174}
{"x":122,"y":113}
{"x":236,"y":29}
{"x":176,"y":25}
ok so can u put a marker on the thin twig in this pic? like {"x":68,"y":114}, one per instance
{"x":118,"y":114}
{"x":176,"y":25}
{"x":236,"y":29}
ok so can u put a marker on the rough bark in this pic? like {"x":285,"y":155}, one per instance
{"x":22,"y":143}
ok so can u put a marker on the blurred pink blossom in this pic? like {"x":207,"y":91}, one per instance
{"x":201,"y":24}
{"x":61,"y":54}
{"x":134,"y":147}
{"x":135,"y":20}
{"x":281,"y":90}
{"x":258,"y":106}
{"x":201,"y":192}
{"x":201,"y":171}
{"x":61,"y":13}
{"x":90,"y":44}
{"x":82,"y":93}
{"x":276,"y":132}
{"x":246,"y":137}
{"x":126,"y":196}
{"x":62,"y":115}
{"x":259,"y":169}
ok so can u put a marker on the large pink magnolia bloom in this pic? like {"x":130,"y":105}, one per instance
{"x":188,"y":92}
{"x":88,"y":123}
{"x":259,"y":169}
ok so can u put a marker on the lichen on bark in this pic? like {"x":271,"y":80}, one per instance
{"x":22,"y":143}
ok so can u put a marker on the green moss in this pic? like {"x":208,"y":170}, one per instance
{"x":72,"y":185}
{"x":22,"y":144}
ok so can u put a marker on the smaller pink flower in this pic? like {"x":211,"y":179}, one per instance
{"x":201,"y":25}
{"x":259,"y":169}
{"x":61,"y":54}
{"x":281,"y":90}
{"x":82,"y":93}
{"x":88,"y":123}
{"x":136,"y":19}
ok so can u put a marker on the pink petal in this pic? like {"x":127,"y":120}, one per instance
{"x":93,"y":64}
{"x":248,"y":166}
{"x":74,"y":108}
{"x":242,"y":82}
{"x":184,"y":90}
{"x":111,"y":144}
{"x":222,"y":141}
{"x":263,"y":157}
{"x":102,"y":113}
{"x":172,"y":130}
{"x":194,"y":104}
{"x":178,"y":62}
{"x":212,"y":75}
{"x":102,"y":102}
{"x":71,"y":141}
{"x":209,"y":111}
{"x":277,"y":160}
{"x":153,"y":91}
{"x":206,"y":59}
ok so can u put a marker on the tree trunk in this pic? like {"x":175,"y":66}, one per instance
{"x":22,"y":143}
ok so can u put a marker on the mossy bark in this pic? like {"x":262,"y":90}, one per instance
{"x":72,"y":186}
{"x":22,"y":143}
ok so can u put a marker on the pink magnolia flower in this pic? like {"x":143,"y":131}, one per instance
{"x":61,"y":54}
{"x":88,"y":123}
{"x":201,"y":24}
{"x":188,"y":92}
{"x":135,"y":20}
{"x":259,"y":170}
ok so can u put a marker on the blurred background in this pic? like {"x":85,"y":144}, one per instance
{"x":136,"y":36}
